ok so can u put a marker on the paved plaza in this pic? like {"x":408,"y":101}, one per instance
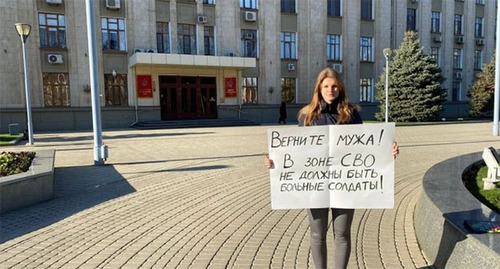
{"x":199,"y":198}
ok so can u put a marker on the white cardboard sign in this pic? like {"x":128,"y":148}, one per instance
{"x":338,"y":166}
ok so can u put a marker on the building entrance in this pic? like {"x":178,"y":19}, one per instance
{"x":188,"y":97}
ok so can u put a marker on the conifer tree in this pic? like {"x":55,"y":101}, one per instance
{"x":415,"y":92}
{"x":482,"y":92}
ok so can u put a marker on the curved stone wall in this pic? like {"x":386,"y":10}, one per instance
{"x":443,"y":206}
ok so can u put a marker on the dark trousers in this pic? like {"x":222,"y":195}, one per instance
{"x":318,"y":221}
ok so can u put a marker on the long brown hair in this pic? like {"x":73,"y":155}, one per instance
{"x":310,"y":113}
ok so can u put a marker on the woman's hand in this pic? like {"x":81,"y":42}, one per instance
{"x":395,"y":150}
{"x":269,"y":162}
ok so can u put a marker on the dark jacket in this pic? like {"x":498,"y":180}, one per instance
{"x":329,"y":115}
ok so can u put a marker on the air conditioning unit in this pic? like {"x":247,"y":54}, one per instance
{"x":250,"y":16}
{"x":139,"y":50}
{"x":337,"y":67}
{"x":113,"y":4}
{"x":458,"y":75}
{"x":201,"y":19}
{"x":459,"y":39}
{"x":152,"y":51}
{"x":248,"y":35}
{"x":291,"y":67}
{"x":54,"y":2}
{"x":438,"y":39}
{"x":55,"y":58}
{"x":480,"y":41}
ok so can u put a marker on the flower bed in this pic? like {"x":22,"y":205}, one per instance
{"x":31,"y":187}
{"x":15,"y":162}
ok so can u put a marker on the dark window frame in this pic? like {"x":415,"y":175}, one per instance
{"x":288,"y":89}
{"x":209,"y":40}
{"x":108,"y":30}
{"x":163,"y":37}
{"x":411,"y":19}
{"x":186,"y":39}
{"x":334,"y":47}
{"x":366,"y":49}
{"x":367,"y":9}
{"x":366,"y":88}
{"x":49,"y":23}
{"x":458,"y":24}
{"x":334,"y":8}
{"x":436,"y":22}
{"x":288,"y":6}
{"x":249,"y":4}
{"x":288,"y":45}
{"x":249,"y":46}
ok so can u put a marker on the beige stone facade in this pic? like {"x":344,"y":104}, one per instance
{"x":307,"y":24}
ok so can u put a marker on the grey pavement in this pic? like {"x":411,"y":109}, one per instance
{"x":199,"y":198}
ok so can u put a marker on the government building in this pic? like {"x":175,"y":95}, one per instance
{"x":165,"y":60}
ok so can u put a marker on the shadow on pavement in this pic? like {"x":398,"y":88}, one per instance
{"x":121,"y":136}
{"x":446,"y":143}
{"x":187,"y":169}
{"x":191,"y":159}
{"x":75,"y":189}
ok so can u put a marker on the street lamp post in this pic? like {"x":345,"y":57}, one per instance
{"x":100,"y":150}
{"x":496,"y":95}
{"x":23,"y":29}
{"x":387,"y":54}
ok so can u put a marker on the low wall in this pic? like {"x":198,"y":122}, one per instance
{"x":443,"y":206}
{"x":31,"y":187}
{"x":47,"y":119}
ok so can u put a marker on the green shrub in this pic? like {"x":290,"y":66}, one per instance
{"x":482,"y":92}
{"x":15,"y":162}
{"x":473,"y":180}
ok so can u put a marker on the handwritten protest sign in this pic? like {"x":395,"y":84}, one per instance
{"x":341,"y":166}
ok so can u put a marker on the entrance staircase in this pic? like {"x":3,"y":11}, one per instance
{"x":174,"y":124}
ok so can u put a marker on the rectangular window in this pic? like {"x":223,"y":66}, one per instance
{"x":209,"y":2}
{"x":288,"y":90}
{"x":209,"y":40}
{"x":367,"y":9}
{"x":250,"y":90}
{"x":458,"y":24}
{"x":478,"y":59}
{"x":250,"y":4}
{"x":56,"y":90}
{"x":366,"y":49}
{"x":288,"y":6}
{"x":186,"y":38}
{"x":162,"y":37}
{"x":479,"y":27}
{"x":115,"y":89}
{"x":366,"y":90}
{"x":249,"y":43}
{"x":52,"y":30}
{"x":480,"y":2}
{"x":457,"y":58}
{"x":333,"y":51}
{"x":411,"y":19}
{"x":288,"y":45}
{"x":113,"y":34}
{"x":436,"y":55}
{"x":436,"y":22}
{"x":334,"y":8}
{"x":456,"y":89}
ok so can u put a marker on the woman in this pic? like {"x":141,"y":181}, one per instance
{"x":330,"y":105}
